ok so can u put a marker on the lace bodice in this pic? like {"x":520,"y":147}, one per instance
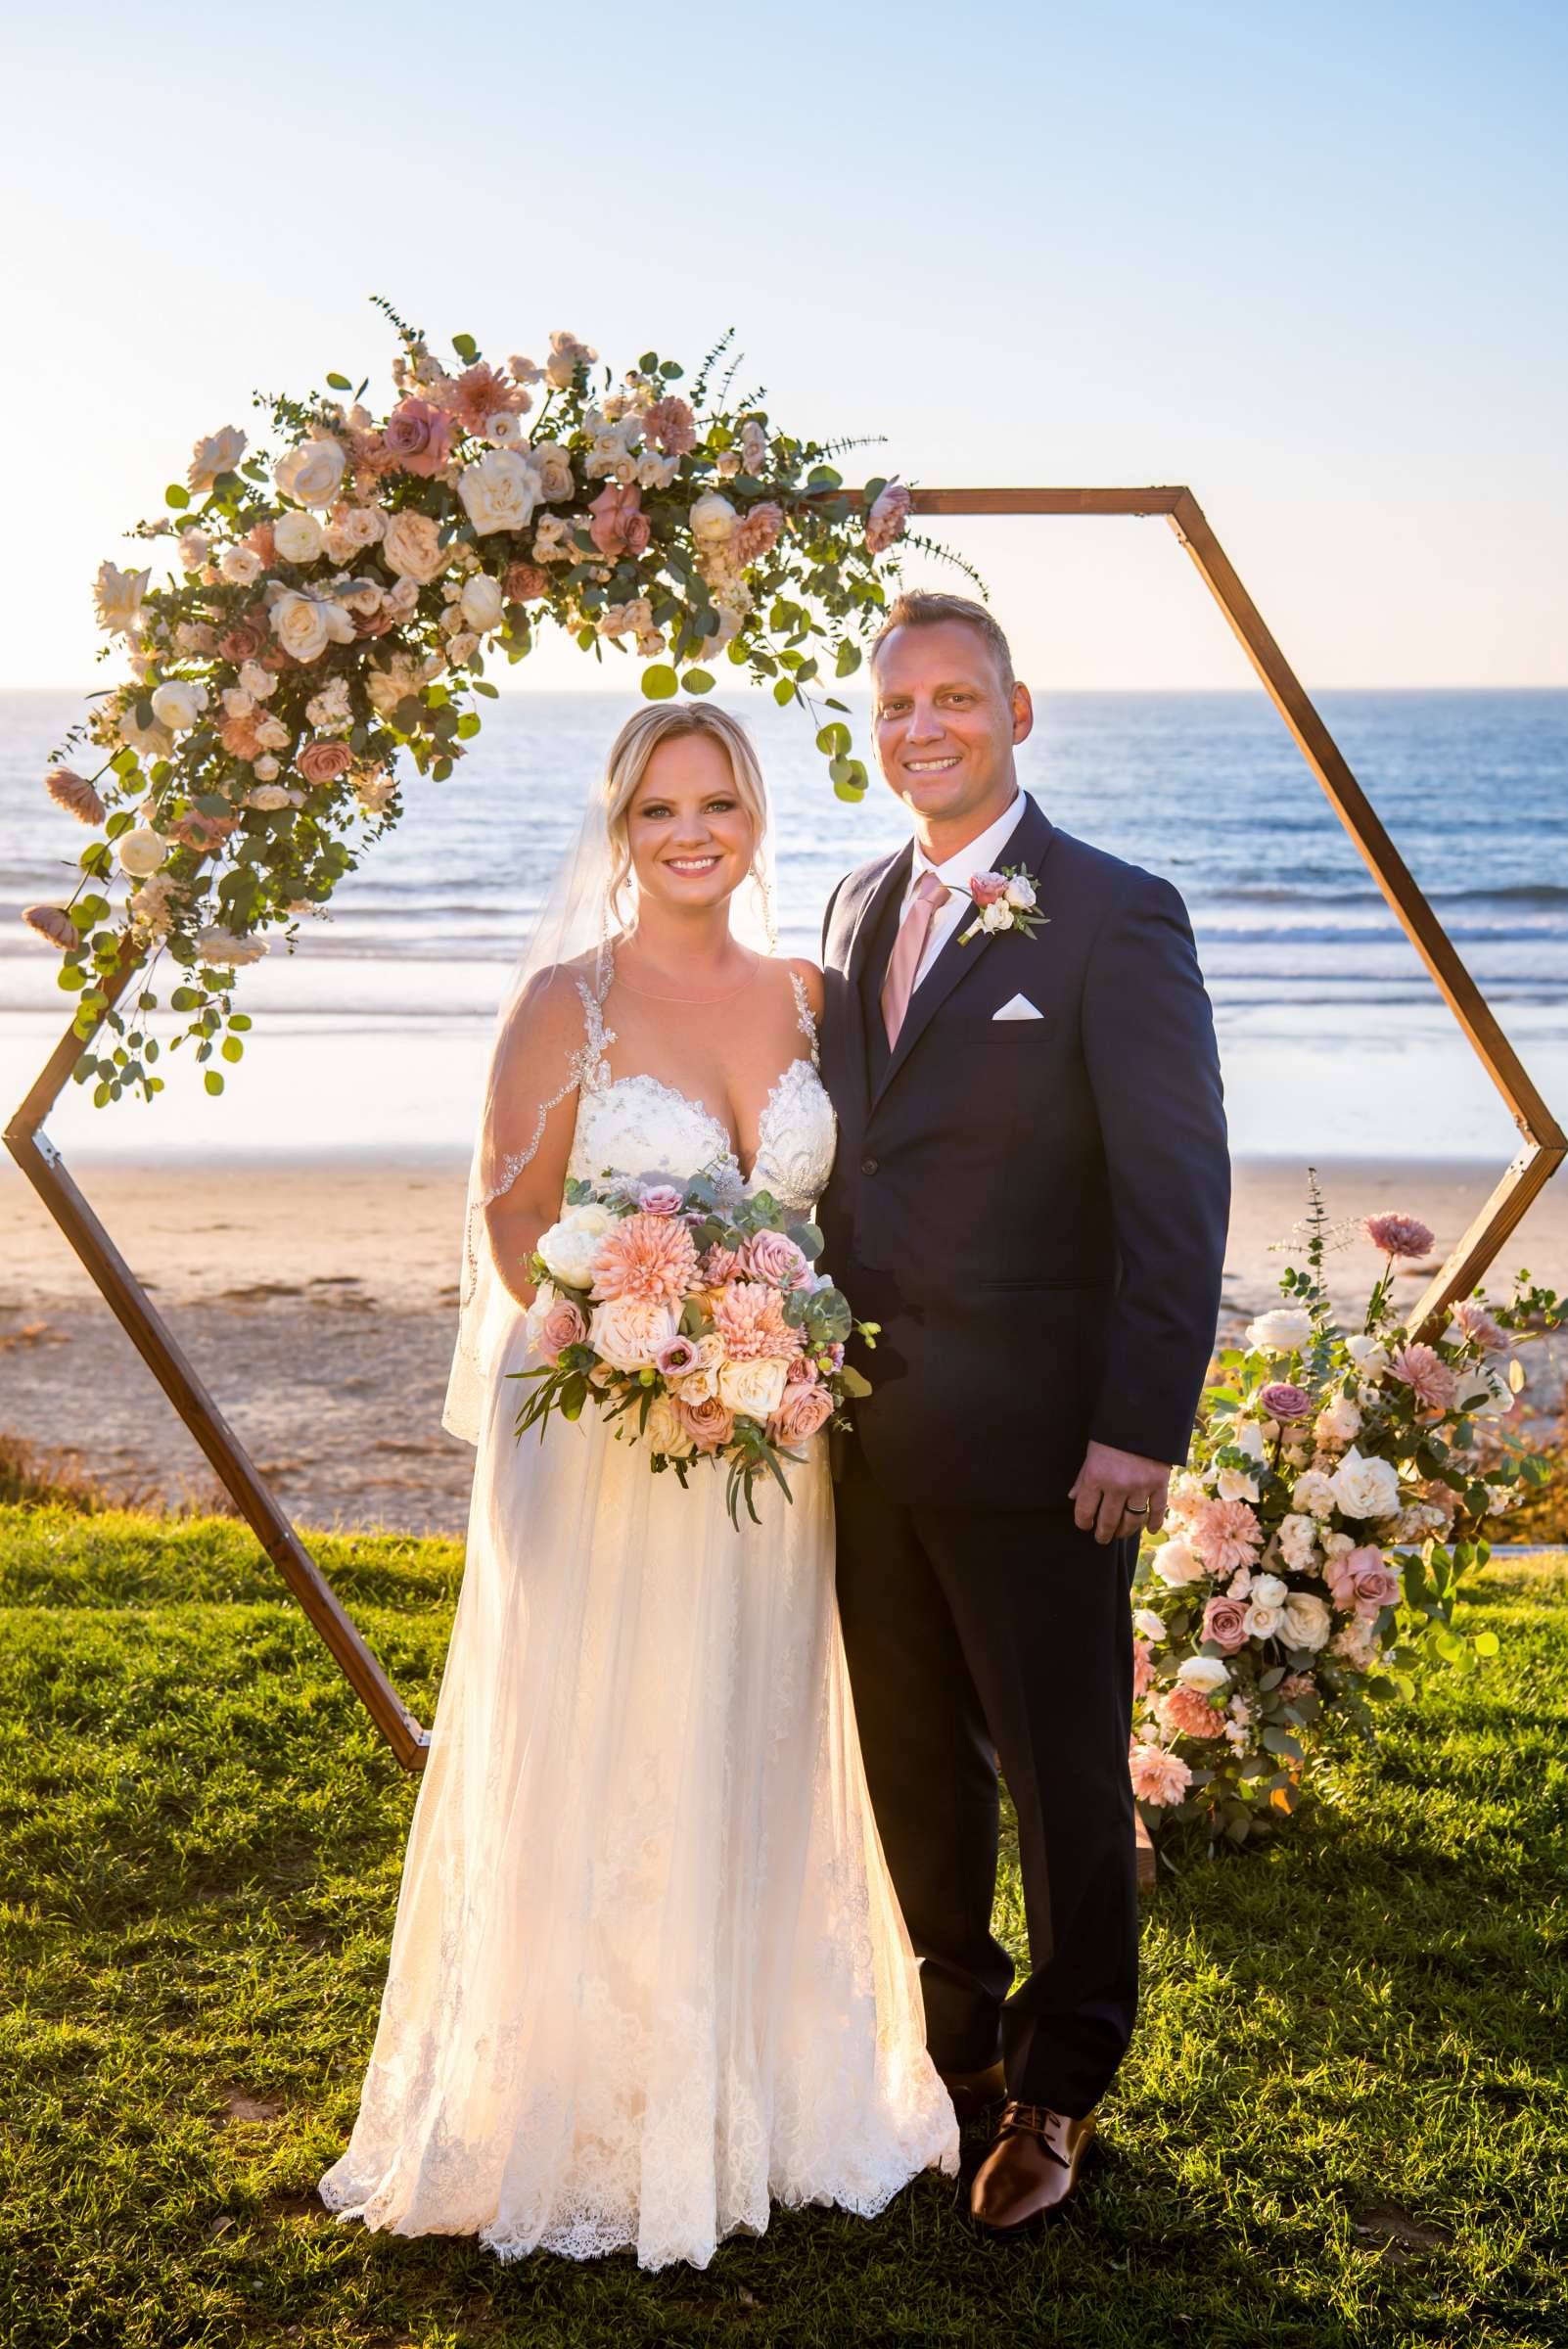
{"x":638,"y":1124}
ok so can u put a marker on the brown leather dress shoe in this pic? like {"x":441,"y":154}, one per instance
{"x":975,"y":2092}
{"x":1033,"y":2167}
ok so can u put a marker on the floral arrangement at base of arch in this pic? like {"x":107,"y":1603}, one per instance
{"x":1317,"y":1545}
{"x":335,"y":605}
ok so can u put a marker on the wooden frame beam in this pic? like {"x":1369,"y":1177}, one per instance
{"x":1546,"y":1145}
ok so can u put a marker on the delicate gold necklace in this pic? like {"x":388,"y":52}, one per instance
{"x":653,"y":995}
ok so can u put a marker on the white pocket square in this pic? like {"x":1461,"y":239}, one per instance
{"x":1020,"y":1008}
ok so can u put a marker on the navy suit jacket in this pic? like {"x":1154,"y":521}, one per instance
{"x":1034,"y":1210}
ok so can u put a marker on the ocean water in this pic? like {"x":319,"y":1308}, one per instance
{"x":373,"y":1034}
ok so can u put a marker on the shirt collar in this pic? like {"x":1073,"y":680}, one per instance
{"x":979,"y":856}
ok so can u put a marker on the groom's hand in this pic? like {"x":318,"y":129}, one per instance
{"x":1118,"y":1493}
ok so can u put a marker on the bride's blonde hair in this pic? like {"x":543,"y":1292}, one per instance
{"x":628,"y":764}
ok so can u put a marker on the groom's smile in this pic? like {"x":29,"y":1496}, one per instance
{"x":945,"y":720}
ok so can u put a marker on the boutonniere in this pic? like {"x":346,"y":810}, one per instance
{"x":1003,"y":900}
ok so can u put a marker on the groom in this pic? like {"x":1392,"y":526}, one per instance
{"x":1031,"y":1196}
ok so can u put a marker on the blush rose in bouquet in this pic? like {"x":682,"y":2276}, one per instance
{"x":698,"y":1323}
{"x":1317,"y":1545}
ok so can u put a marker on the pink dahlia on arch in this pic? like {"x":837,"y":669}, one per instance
{"x":1399,"y":1235}
{"x":1427,"y":1375}
{"x":1225,"y":1534}
{"x":1157,"y":1776}
{"x":478,"y":394}
{"x":1479,"y":1327}
{"x":74,"y":794}
{"x":1187,"y":1713}
{"x":749,"y":1320}
{"x":651,"y":1257}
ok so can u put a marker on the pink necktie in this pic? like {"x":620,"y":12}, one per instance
{"x":908,"y":949}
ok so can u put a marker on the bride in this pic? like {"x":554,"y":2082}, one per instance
{"x":648,"y":1971}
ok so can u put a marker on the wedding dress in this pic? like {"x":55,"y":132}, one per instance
{"x":648,"y":1970}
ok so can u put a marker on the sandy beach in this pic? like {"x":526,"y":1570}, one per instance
{"x":315,"y":1297}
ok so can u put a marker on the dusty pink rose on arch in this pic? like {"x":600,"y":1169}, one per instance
{"x":1225,"y":1622}
{"x":1398,"y":1234}
{"x":418,"y":438}
{"x":758,"y":533}
{"x":669,"y":425}
{"x":1282,"y":1400}
{"x":526,"y":583}
{"x":886,"y":521}
{"x":618,"y":525}
{"x":324,"y":761}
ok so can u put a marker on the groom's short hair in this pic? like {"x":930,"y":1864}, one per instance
{"x":919,"y":608}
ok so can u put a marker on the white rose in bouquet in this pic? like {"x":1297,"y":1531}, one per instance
{"x":179,"y":705}
{"x":1204,"y":1672}
{"x":499,"y":491}
{"x":1284,"y":1330}
{"x":141,"y":851}
{"x":1365,"y":1488}
{"x":569,"y":1246}
{"x":665,"y":1432}
{"x":628,"y":1331}
{"x":1307,"y":1621}
{"x":754,"y":1389}
{"x":482,"y":602}
{"x":299,"y":537}
{"x":310,"y":474}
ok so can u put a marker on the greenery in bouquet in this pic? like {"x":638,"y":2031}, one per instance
{"x":335,"y":603}
{"x":697,"y":1322}
{"x":1337,"y":1497}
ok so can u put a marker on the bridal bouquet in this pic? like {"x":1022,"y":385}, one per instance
{"x":695,"y":1321}
{"x":1315,"y":1549}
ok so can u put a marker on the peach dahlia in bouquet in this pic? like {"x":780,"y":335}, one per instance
{"x":696,"y":1321}
{"x":1316,"y":1543}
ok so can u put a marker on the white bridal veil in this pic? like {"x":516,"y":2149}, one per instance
{"x":578,"y":925}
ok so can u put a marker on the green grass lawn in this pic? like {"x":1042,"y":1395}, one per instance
{"x":1344,"y":2117}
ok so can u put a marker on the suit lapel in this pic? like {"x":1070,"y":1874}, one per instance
{"x":1026,"y":845}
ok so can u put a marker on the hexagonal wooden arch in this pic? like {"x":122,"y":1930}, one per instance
{"x":1544,"y":1145}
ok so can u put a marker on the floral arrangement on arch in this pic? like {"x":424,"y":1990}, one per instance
{"x":337,"y":604}
{"x":1315,"y":1546}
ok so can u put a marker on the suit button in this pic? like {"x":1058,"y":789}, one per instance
{"x":868,"y":1166}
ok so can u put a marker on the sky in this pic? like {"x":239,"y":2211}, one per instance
{"x":1309,"y":262}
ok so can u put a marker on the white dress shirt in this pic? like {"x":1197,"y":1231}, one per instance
{"x":980,"y":856}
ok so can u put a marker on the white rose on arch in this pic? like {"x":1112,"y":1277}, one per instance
{"x":141,"y":851}
{"x":482,"y":602}
{"x":218,"y":947}
{"x":311,"y":474}
{"x":220,"y":453}
{"x":713,"y":520}
{"x":412,"y":547}
{"x":1307,"y":1621}
{"x":299,"y":537}
{"x":1285,"y":1330}
{"x":241,"y":566}
{"x":179,"y":705}
{"x":1206,"y":1673}
{"x":1364,"y":1488}
{"x":306,"y":624}
{"x":499,"y":491}
{"x":118,"y":598}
